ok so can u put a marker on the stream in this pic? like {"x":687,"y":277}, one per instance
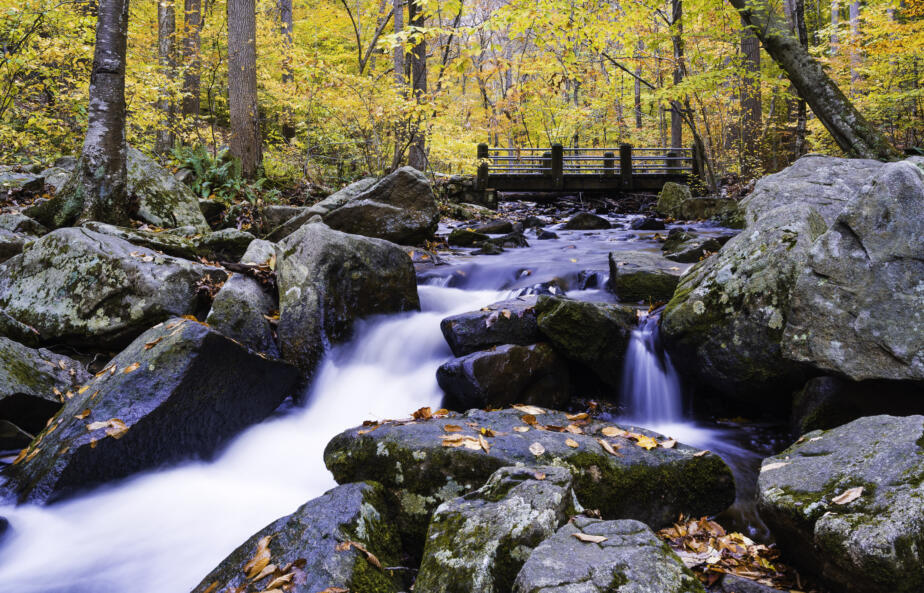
{"x":163,"y":531}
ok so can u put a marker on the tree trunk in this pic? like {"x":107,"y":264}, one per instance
{"x":835,"y":17}
{"x":285,"y":28}
{"x":750,"y":100}
{"x":242,"y":86}
{"x":854,"y":41}
{"x":400,"y":81}
{"x":801,"y":109}
{"x":166,"y":32}
{"x":638,"y":86}
{"x":417,"y":154}
{"x":192,"y":27}
{"x":850,"y":130}
{"x":677,"y":41}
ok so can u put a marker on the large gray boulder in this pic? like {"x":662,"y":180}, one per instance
{"x":163,"y":201}
{"x":506,"y":375}
{"x":327,"y":280}
{"x":331,"y":202}
{"x":400,"y":208}
{"x":480,"y":541}
{"x":593,"y":556}
{"x":643,"y":276}
{"x":848,"y":503}
{"x":222,"y":245}
{"x":507,"y":322}
{"x":240,"y":311}
{"x":179,"y":391}
{"x":858,"y":306}
{"x":83,"y":287}
{"x":341,"y":541}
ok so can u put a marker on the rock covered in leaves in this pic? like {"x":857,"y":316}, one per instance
{"x":341,"y":541}
{"x":479,"y":542}
{"x":327,"y":280}
{"x":858,"y":307}
{"x":593,"y":556}
{"x":400,"y":208}
{"x":585,"y":221}
{"x":848,"y":503}
{"x":622,"y":473}
{"x":593,"y":334}
{"x":505,"y":375}
{"x":34,"y":384}
{"x":507,"y":322}
{"x":643,"y":276}
{"x":178,"y":391}
{"x":702,"y":208}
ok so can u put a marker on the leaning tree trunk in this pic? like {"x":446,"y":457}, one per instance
{"x":166,"y":33}
{"x":848,"y":127}
{"x":192,"y":25}
{"x":97,"y":188}
{"x":242,"y":86}
{"x":417,"y":153}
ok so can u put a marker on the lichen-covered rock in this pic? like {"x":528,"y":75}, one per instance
{"x":868,"y":540}
{"x":507,"y":322}
{"x":684,"y":247}
{"x":593,"y":334}
{"x":858,"y":307}
{"x":83,"y":287}
{"x":671,"y":196}
{"x":11,"y":244}
{"x":328,"y":544}
{"x":12,"y":182}
{"x":18,"y":331}
{"x":412,"y":462}
{"x":162,"y":200}
{"x":275,"y":215}
{"x":240,"y":312}
{"x":22,"y":224}
{"x":179,"y":391}
{"x":34,"y":384}
{"x":328,"y":204}
{"x":630,"y":559}
{"x":480,"y":541}
{"x":222,"y":245}
{"x":643,"y":276}
{"x":585,"y":221}
{"x":400,"y":208}
{"x":466,"y":238}
{"x":707,"y":207}
{"x":327,"y":280}
{"x":506,"y":375}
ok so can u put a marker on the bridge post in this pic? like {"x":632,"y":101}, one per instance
{"x":625,"y":167}
{"x":483,"y":167}
{"x":609,"y":163}
{"x":558,"y":166}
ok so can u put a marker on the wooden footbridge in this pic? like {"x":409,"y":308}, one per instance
{"x":593,"y":170}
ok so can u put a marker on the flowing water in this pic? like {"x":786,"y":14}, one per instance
{"x":162,"y":531}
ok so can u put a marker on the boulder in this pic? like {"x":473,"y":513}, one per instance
{"x":707,"y":207}
{"x":420,"y":471}
{"x":15,"y":183}
{"x":179,"y":391}
{"x":647,"y":224}
{"x":56,"y":177}
{"x":544,"y":235}
{"x":400,"y":208}
{"x":34,"y":384}
{"x":857,"y":308}
{"x":488,"y":249}
{"x":670,"y":197}
{"x":593,"y":334}
{"x":327,"y":280}
{"x":848,"y":503}
{"x":511,"y":240}
{"x":693,"y":251}
{"x":495,"y":227}
{"x":22,"y":224}
{"x":11,"y":244}
{"x":506,"y":322}
{"x":18,"y":331}
{"x":83,"y":287}
{"x":613,"y":556}
{"x":240,"y":311}
{"x":643,"y":276}
{"x":466,"y":238}
{"x":162,"y":200}
{"x":506,"y":375}
{"x":275,"y":215}
{"x":223,"y":245}
{"x":340,"y":541}
{"x":480,"y":541}
{"x":585,"y":221}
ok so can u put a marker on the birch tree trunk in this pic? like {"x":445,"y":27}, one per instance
{"x":166,"y":34}
{"x":191,"y":46}
{"x":246,"y":144}
{"x":850,"y":130}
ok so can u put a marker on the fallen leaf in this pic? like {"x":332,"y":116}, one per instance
{"x":701,"y":453}
{"x":528,"y":419}
{"x":484,"y":444}
{"x":335,"y":590}
{"x":536,"y":449}
{"x":572,"y":443}
{"x":260,"y":559}
{"x":539,"y":476}
{"x":775,"y":465}
{"x":62,"y":364}
{"x":608,"y":448}
{"x":848,"y":496}
{"x":83,"y":389}
{"x":581,"y":416}
{"x":574,"y":429}
{"x":211,"y":588}
{"x":521,"y":429}
{"x":21,"y":456}
{"x":528,"y":409}
{"x":452,"y":428}
{"x":441,"y":412}
{"x":278,"y":582}
{"x":646,"y":442}
{"x":422,"y":414}
{"x":131,"y":368}
{"x":669,"y":443}
{"x":590,"y":539}
{"x":270,"y":569}
{"x":152,"y":343}
{"x":612,"y":431}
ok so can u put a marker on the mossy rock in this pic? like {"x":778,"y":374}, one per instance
{"x":641,"y":276}
{"x":670,"y":197}
{"x":163,"y":201}
{"x":507,"y":322}
{"x":863,"y":541}
{"x":585,"y":221}
{"x":466,"y":238}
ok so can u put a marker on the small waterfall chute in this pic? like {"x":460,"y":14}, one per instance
{"x":650,"y":385}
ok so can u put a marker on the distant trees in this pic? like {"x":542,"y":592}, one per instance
{"x":246,"y":143}
{"x":166,"y":36}
{"x":192,"y":26}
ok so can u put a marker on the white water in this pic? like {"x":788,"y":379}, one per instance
{"x":650,"y":385}
{"x":162,"y":532}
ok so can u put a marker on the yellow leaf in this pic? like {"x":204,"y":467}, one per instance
{"x":581,"y":416}
{"x":612,"y":431}
{"x":646,"y":442}
{"x":452,"y":428}
{"x":131,"y":368}
{"x":572,"y":443}
{"x":574,"y":429}
{"x":260,"y":559}
{"x":83,"y":389}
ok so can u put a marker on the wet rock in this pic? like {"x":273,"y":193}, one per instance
{"x":488,"y":249}
{"x":707,"y":207}
{"x":466,"y":238}
{"x":506,"y":322}
{"x":16,"y":183}
{"x":692,"y":250}
{"x":729,"y":583}
{"x":240,"y":312}
{"x":858,"y":307}
{"x":671,"y":196}
{"x":585,"y":221}
{"x":593,"y":334}
{"x":588,"y":279}
{"x":630,"y":558}
{"x":643,"y":276}
{"x":328,"y":204}
{"x":544,"y":235}
{"x":506,"y":375}
{"x":179,"y":391}
{"x":511,"y":240}
{"x":480,"y":541}
{"x":82,"y":287}
{"x":18,"y":331}
{"x":424,"y":256}
{"x":676,"y":238}
{"x":277,"y":214}
{"x":400,"y":208}
{"x":11,"y":244}
{"x":411,"y":461}
{"x":865,"y":540}
{"x":495,"y":227}
{"x":162,"y":200}
{"x":34,"y":384}
{"x":327,"y":280}
{"x":22,"y":224}
{"x":309,"y":550}
{"x":647,"y":224}
{"x":533,"y":221}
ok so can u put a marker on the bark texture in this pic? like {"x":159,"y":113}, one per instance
{"x":246,"y":143}
{"x":166,"y":34}
{"x":285,"y":28}
{"x":850,"y":130}
{"x":750,"y":102}
{"x":193,"y":63}
{"x":677,"y":42}
{"x":417,"y":152}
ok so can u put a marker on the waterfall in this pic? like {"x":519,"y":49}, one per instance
{"x":650,"y":385}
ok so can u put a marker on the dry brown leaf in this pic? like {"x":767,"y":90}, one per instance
{"x":612,"y":431}
{"x":452,"y":428}
{"x":335,"y":590}
{"x":537,"y":449}
{"x":268,"y":570}
{"x":33,"y":453}
{"x":484,"y":444}
{"x":21,"y":456}
{"x":668,"y":444}
{"x":131,"y":368}
{"x":534,"y":410}
{"x":441,"y":412}
{"x":848,"y":496}
{"x":82,"y":389}
{"x":529,"y":419}
{"x":521,"y":429}
{"x":539,"y":476}
{"x":260,"y":559}
{"x":608,"y":448}
{"x":572,"y":443}
{"x":422,"y":414}
{"x":152,"y":343}
{"x":211,"y":588}
{"x":590,"y":539}
{"x":574,"y":429}
{"x":279,"y":581}
{"x":581,"y":416}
